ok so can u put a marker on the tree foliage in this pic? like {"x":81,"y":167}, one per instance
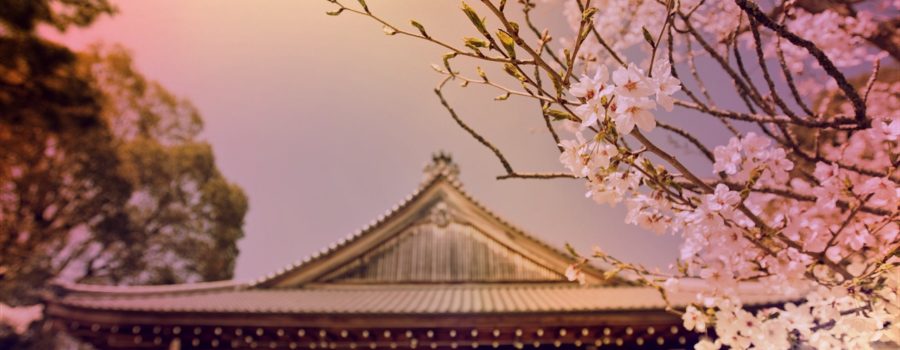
{"x":104,"y":177}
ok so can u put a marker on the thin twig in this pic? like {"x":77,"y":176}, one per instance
{"x":706,"y":152}
{"x":536,"y":176}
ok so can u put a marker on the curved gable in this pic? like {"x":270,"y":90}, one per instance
{"x":439,"y":234}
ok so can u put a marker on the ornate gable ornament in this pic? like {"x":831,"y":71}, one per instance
{"x":441,"y":165}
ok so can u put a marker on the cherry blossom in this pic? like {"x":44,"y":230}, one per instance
{"x":590,"y":87}
{"x":635,"y":111}
{"x":694,"y":319}
{"x":632,"y":82}
{"x":728,"y":158}
{"x":665,"y":85}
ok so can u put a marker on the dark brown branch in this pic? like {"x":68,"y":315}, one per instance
{"x":761,"y":60}
{"x":521,"y":43}
{"x":859,"y":107}
{"x":789,"y":78}
{"x":706,"y":152}
{"x":839,"y":122}
{"x":473,"y":133}
{"x":527,"y":11}
{"x":536,"y":176}
{"x":887,"y":37}
{"x":786,"y":193}
{"x":691,"y":95}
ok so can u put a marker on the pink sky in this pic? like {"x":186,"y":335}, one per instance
{"x":326,"y":122}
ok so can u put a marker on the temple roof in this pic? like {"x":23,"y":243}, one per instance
{"x":435,"y":262}
{"x":437,"y":250}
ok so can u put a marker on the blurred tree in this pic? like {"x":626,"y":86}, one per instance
{"x":103,"y":178}
{"x":182,"y":218}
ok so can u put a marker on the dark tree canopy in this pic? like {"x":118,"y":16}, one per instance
{"x":103,"y":177}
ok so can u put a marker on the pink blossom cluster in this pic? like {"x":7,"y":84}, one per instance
{"x":818,"y":226}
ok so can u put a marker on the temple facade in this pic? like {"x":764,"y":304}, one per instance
{"x":437,"y":271}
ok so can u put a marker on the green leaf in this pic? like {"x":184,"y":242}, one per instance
{"x":513,"y":27}
{"x":478,"y":22}
{"x":364,"y":6}
{"x":335,"y":12}
{"x":557,"y":85}
{"x":588,"y":13}
{"x":560,"y":115}
{"x":503,"y":97}
{"x":508,"y":43}
{"x":481,"y":73}
{"x":512,"y":70}
{"x":420,"y":28}
{"x":475,"y":42}
{"x":648,"y":37}
{"x":447,"y":57}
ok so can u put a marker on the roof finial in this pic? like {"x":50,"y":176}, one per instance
{"x":441,"y":165}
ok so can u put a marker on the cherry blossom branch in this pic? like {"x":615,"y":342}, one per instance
{"x":766,"y":230}
{"x":760,"y":57}
{"x":485,"y":81}
{"x":663,"y":30}
{"x":752,"y":92}
{"x":736,"y":186}
{"x":693,"y":67}
{"x":395,"y":30}
{"x":587,"y":20}
{"x":510,"y":173}
{"x":471,"y":131}
{"x":859,"y":106}
{"x":661,"y":190}
{"x":599,"y":38}
{"x":789,"y":78}
{"x":693,"y":140}
{"x":835,"y":123}
{"x":526,"y":9}
{"x":687,"y":91}
{"x":668,"y":158}
{"x":743,"y":89}
{"x":514,"y":32}
{"x":606,"y":46}
{"x":542,"y":176}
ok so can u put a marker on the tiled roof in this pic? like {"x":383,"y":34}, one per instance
{"x":399,"y":299}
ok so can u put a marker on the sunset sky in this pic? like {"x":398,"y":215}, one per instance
{"x":326,"y":122}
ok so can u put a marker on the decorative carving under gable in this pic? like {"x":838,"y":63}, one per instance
{"x":442,"y":250}
{"x":441,"y":214}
